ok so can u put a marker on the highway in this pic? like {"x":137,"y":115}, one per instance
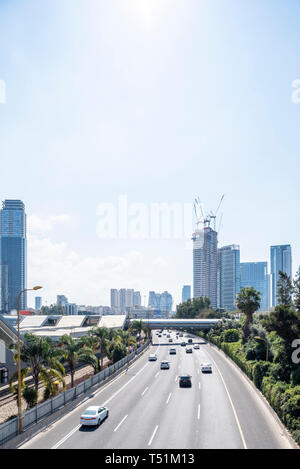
{"x":148,"y":410}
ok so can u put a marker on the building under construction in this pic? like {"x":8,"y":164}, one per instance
{"x":205,"y":255}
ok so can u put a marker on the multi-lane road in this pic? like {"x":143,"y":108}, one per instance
{"x":148,"y":409}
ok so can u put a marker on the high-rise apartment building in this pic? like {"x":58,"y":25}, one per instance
{"x":186,"y":293}
{"x":205,"y":249}
{"x":124,"y":299}
{"x":281,"y":259}
{"x":137,"y":299}
{"x":13,"y":255}
{"x":114,"y":298}
{"x":255,"y":274}
{"x":229,"y":277}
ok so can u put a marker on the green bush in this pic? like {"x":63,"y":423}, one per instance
{"x":30,"y":395}
{"x":260,"y":370}
{"x":231,"y":335}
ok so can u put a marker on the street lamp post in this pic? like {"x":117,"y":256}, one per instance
{"x":19,"y":359}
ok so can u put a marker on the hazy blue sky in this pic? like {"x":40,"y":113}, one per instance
{"x":159,"y":100}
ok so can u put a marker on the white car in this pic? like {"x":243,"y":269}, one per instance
{"x":152,"y":358}
{"x":172,"y":351}
{"x":206,"y":368}
{"x":164,"y":366}
{"x":196,"y":347}
{"x":94,"y":415}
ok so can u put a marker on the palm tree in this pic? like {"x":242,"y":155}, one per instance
{"x":42,"y":356}
{"x":125,"y":339}
{"x":102,"y":335}
{"x":139,"y":327}
{"x":248,"y":302}
{"x":74,"y":351}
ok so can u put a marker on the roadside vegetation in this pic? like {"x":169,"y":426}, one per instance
{"x":265,"y":346}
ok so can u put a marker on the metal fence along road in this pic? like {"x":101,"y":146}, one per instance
{"x":9,"y":429}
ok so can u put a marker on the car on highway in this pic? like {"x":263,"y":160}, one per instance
{"x":170,"y":340}
{"x":189,"y":350}
{"x":183,"y":344}
{"x":152,"y":358}
{"x":185,"y":381}
{"x":190,"y":341}
{"x":165,"y":365}
{"x":206,"y":368}
{"x":172,"y":351}
{"x":196,"y":347}
{"x":180,"y":335}
{"x":94,"y":415}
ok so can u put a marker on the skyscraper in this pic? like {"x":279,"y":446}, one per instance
{"x":161,"y":302}
{"x":137,"y":299}
{"x":13,"y":254}
{"x":281,"y":259}
{"x":186,"y":293}
{"x":38,"y":302}
{"x":114,"y":298}
{"x":229,"y":281}
{"x":255,"y":274}
{"x":205,"y":264}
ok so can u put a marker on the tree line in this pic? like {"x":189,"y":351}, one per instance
{"x":47,"y":359}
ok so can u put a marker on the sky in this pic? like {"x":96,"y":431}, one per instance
{"x":148,"y":102}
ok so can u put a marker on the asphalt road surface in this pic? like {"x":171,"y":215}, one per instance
{"x":148,"y":410}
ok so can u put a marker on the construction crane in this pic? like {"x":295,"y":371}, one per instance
{"x":201,"y":218}
{"x":213,"y":215}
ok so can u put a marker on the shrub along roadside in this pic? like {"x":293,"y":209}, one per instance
{"x":284,"y":398}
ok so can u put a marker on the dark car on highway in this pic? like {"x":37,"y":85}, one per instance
{"x":185,"y":381}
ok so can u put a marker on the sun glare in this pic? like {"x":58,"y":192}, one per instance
{"x":146,"y":14}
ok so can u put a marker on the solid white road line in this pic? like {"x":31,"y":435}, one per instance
{"x":118,"y":426}
{"x":153,"y":435}
{"x":66,"y":437}
{"x":157,"y":374}
{"x":144,"y":392}
{"x":169,"y":398}
{"x":199,"y":385}
{"x":233,"y":408}
{"x":199,"y":410}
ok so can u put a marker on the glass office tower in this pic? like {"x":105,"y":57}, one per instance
{"x":186,"y":293}
{"x":13,"y":254}
{"x":281,"y":259}
{"x":229,"y":276}
{"x":255,"y":274}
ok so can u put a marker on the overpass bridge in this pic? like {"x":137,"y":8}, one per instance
{"x":179,"y":323}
